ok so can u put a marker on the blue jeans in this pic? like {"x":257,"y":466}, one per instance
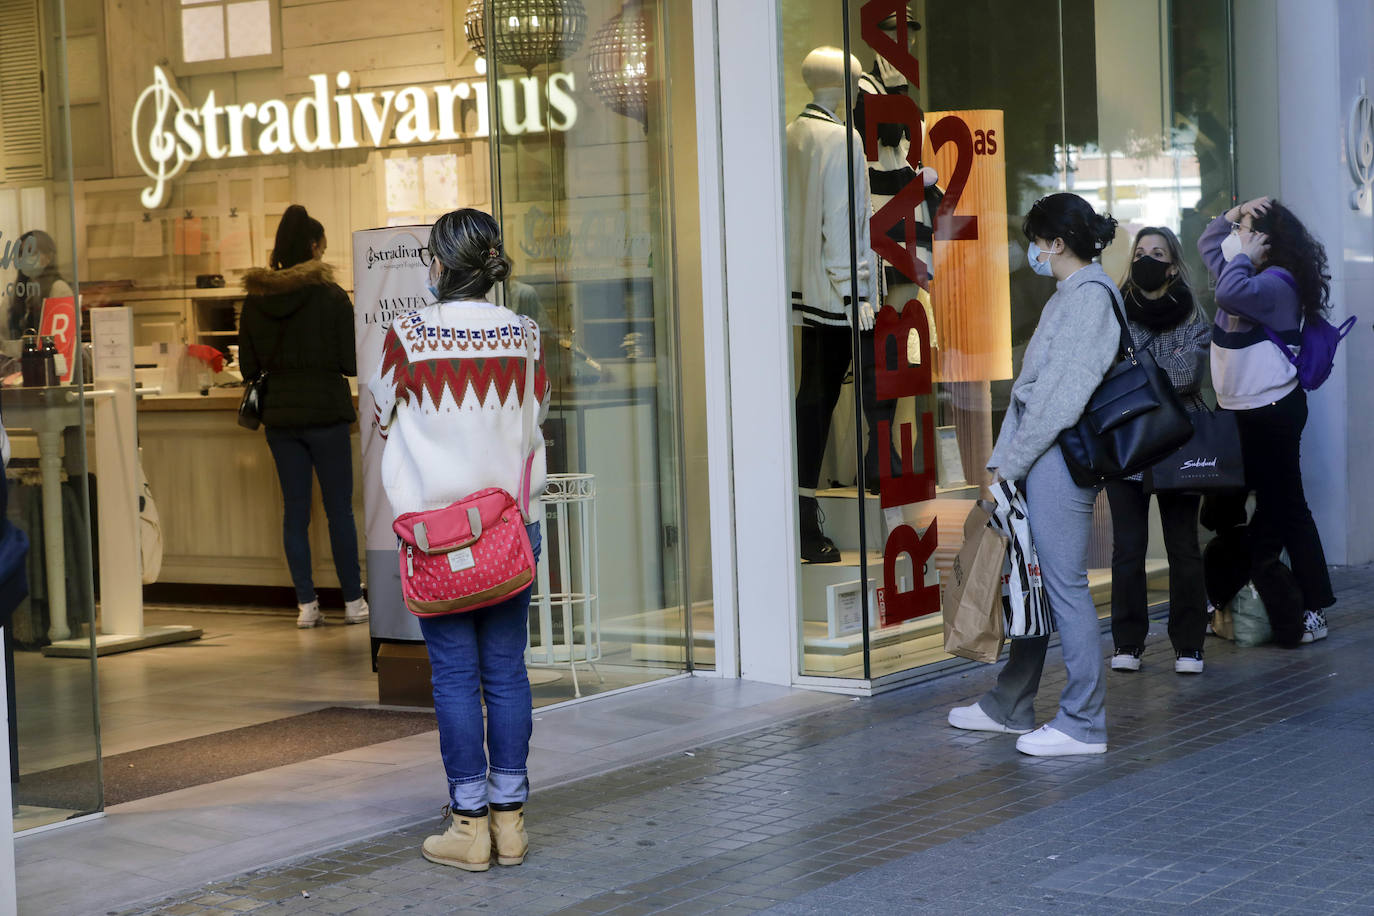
{"x":477,"y":656}
{"x":326,"y":449}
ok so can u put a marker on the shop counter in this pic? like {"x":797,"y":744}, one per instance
{"x":221,"y":508}
{"x":217,"y":494}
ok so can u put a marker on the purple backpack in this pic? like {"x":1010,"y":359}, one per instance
{"x":1320,"y":338}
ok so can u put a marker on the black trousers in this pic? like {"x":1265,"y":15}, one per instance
{"x":1130,"y":538}
{"x":1271,"y":438}
{"x":825,"y":358}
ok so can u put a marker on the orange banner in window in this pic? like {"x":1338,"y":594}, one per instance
{"x":971,"y":293}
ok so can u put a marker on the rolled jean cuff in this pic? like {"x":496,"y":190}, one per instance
{"x":468,"y":793}
{"x":508,"y":787}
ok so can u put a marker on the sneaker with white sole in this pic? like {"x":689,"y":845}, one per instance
{"x":1314,"y":626}
{"x":973,"y":719}
{"x":1188,"y":663}
{"x":1127,"y":658}
{"x":356,"y":611}
{"x":309,"y":615}
{"x":1047,"y":741}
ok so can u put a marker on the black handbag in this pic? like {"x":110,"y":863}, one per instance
{"x":1210,"y":460}
{"x":1132,"y":420}
{"x":250,"y":406}
{"x":255,"y":392}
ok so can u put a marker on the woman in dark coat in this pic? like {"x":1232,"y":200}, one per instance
{"x":297,"y":326}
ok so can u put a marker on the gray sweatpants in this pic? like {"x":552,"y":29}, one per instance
{"x":1060,"y":515}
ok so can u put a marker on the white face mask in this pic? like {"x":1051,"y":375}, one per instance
{"x":1231,"y":246}
{"x":1043,"y":268}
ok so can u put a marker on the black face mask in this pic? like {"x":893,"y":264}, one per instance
{"x":1149,"y":273}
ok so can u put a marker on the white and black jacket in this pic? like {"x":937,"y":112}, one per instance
{"x":819,"y":219}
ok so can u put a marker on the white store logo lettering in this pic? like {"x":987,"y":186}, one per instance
{"x":169,"y":134}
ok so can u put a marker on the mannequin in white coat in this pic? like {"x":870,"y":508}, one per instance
{"x":822,"y":269}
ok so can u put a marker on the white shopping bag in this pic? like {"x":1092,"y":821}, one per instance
{"x":1024,"y":601}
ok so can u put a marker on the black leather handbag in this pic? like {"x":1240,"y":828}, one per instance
{"x":1132,"y":420}
{"x":250,"y":407}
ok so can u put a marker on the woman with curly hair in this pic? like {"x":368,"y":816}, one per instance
{"x":1270,"y":273}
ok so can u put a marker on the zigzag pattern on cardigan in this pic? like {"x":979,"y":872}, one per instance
{"x":432,"y":373}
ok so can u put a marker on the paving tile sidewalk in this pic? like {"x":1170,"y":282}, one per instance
{"x":1244,"y":790}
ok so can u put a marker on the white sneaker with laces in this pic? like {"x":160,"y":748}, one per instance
{"x":356,"y":611}
{"x":309,"y":615}
{"x":1188,"y":663}
{"x":1314,"y":626}
{"x":1126,"y":659}
{"x":1046,"y":741}
{"x":973,"y":719}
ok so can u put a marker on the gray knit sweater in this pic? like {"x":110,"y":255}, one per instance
{"x":1071,"y":350}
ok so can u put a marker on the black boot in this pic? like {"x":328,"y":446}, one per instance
{"x":815,"y":546}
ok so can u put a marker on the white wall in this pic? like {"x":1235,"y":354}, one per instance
{"x":757,"y":340}
{"x":1294,"y":91}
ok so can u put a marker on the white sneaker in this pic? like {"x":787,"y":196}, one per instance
{"x":1051,"y":742}
{"x":1126,"y":659}
{"x":973,"y":719}
{"x":356,"y":611}
{"x":1188,"y":663}
{"x":1314,"y":626}
{"x":309,"y":615}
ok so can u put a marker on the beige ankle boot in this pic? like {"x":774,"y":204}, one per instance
{"x":508,"y":836}
{"x":466,"y":844}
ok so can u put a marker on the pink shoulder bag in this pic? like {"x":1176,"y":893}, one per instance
{"x":475,"y":552}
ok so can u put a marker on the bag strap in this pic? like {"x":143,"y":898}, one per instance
{"x":1126,"y":345}
{"x":527,"y":421}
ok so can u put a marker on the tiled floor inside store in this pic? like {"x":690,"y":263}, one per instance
{"x":1243,"y":790}
{"x":250,"y":667}
{"x":247,"y":668}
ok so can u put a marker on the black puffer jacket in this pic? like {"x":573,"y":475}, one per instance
{"x":297,"y":324}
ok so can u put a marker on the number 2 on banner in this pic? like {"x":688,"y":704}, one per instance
{"x":948,"y":225}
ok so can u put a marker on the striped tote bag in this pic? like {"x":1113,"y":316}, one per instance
{"x":1024,"y":602}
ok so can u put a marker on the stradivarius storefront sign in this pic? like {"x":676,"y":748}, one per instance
{"x":169,"y":133}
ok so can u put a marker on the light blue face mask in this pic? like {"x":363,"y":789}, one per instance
{"x":1043,"y":268}
{"x":433,"y":284}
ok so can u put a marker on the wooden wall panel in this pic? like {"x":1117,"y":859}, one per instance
{"x":350,"y":20}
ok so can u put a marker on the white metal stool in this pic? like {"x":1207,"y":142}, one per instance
{"x":570,"y":549}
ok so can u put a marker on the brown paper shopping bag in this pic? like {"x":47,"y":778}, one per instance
{"x":972,"y":601}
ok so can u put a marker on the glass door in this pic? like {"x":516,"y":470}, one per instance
{"x":583,"y":123}
{"x":54,"y":745}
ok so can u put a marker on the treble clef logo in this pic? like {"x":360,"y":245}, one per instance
{"x":163,"y":158}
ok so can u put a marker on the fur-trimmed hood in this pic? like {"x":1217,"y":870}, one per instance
{"x":276,"y":287}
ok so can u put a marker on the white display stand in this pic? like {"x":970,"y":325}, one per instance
{"x":569,"y":542}
{"x":116,"y":463}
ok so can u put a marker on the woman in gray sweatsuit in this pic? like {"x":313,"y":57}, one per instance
{"x":1073,"y":346}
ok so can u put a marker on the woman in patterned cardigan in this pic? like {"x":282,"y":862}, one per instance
{"x":1165,"y":320}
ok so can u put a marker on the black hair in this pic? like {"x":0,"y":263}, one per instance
{"x":467,"y":244}
{"x":296,"y":233}
{"x":1294,"y":249}
{"x":1071,"y":218}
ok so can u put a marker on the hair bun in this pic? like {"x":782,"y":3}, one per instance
{"x":1105,"y":230}
{"x":496,"y":268}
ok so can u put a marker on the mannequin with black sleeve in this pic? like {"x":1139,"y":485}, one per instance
{"x":888,"y":177}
